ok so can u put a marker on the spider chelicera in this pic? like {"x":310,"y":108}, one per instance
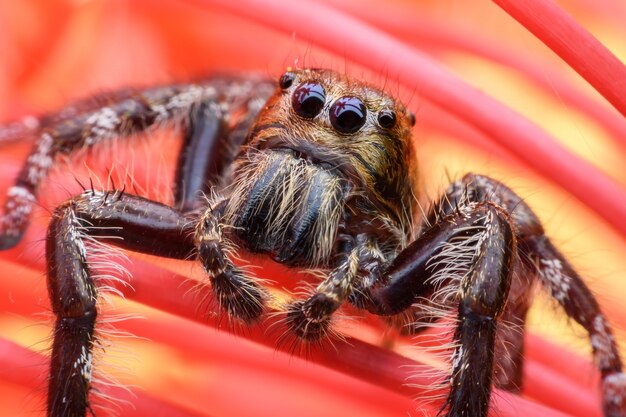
{"x":316,"y":173}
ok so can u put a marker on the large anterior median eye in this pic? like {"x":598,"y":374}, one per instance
{"x":347,"y":114}
{"x":308,"y":99}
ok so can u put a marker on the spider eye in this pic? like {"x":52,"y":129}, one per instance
{"x":308,"y":99}
{"x":286,"y":80}
{"x":347,"y":114}
{"x":387,"y":118}
{"x":412,"y":117}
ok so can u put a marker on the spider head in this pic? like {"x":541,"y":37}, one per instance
{"x":346,"y":125}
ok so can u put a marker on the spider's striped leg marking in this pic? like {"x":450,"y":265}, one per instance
{"x":120,"y":115}
{"x":471,"y":252}
{"x":566,"y":286}
{"x":237,"y":294}
{"x":83,"y":130}
{"x":310,"y":319}
{"x":74,"y":232}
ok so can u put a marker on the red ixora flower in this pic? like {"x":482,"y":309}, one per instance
{"x":562,"y":148}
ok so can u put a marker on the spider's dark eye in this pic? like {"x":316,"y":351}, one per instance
{"x":286,"y":80}
{"x":308,"y":99}
{"x":347,"y":114}
{"x":412,"y":117}
{"x":387,"y":118}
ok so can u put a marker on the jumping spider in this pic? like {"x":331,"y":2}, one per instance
{"x":316,"y":173}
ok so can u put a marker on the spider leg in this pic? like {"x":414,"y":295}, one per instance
{"x":310,"y":319}
{"x":540,"y":259}
{"x":509,"y":349}
{"x":119,"y":114}
{"x":568,"y":288}
{"x":134,"y":223}
{"x":237,"y":294}
{"x":199,"y":159}
{"x":213,"y":136}
{"x":371,"y":261}
{"x":471,"y":251}
{"x":434,"y":305}
{"x":356,"y":270}
{"x":72,"y":239}
{"x":31,"y":125}
{"x":19,"y":131}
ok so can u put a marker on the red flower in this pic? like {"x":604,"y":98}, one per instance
{"x":430,"y":55}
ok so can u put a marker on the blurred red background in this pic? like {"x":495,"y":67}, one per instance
{"x":56,"y":51}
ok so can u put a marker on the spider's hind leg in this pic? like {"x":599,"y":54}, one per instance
{"x":214,"y":113}
{"x":570,"y":291}
{"x":540,"y":260}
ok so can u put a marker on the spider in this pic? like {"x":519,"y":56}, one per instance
{"x":317,"y":172}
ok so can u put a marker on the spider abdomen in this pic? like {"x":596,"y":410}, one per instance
{"x":286,"y":206}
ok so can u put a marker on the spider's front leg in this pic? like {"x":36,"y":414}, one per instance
{"x":310,"y":319}
{"x":474,"y":250}
{"x":239,"y":295}
{"x":74,"y":235}
{"x":433,"y":265}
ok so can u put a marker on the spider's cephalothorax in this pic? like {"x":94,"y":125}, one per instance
{"x":326,"y":160}
{"x":316,"y":172}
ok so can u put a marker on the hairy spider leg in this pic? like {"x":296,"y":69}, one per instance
{"x":310,"y":319}
{"x":213,"y":137}
{"x":371,"y":261}
{"x":509,"y":349}
{"x":434,"y":304}
{"x":237,"y":294}
{"x":118,"y":119}
{"x":126,"y":112}
{"x":77,"y":229}
{"x":74,"y":233}
{"x":30,"y":126}
{"x":356,"y":270}
{"x":471,"y":252}
{"x":567,"y":287}
{"x":540,"y":260}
